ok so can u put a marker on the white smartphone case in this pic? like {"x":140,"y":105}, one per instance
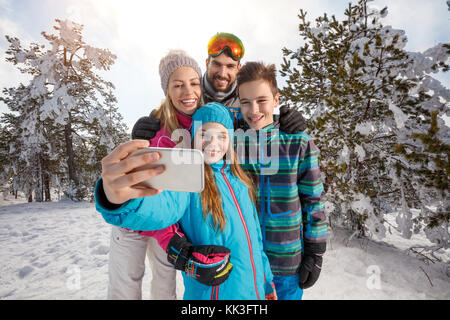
{"x":184,"y":169}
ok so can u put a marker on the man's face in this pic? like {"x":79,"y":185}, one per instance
{"x":222,"y":71}
{"x":257,"y":103}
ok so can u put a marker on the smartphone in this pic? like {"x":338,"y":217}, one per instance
{"x":184,"y":169}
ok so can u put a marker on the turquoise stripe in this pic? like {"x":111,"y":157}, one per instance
{"x":284,"y":222}
{"x":285,"y":247}
{"x":314,"y":207}
{"x":311,"y":190}
{"x":312,"y":163}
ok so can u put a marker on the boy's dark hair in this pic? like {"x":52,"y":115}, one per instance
{"x":252,"y":71}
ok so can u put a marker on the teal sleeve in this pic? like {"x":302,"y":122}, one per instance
{"x":310,"y":192}
{"x":143,"y":214}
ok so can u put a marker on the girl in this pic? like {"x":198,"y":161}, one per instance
{"x":223,"y":214}
{"x":181,"y":82}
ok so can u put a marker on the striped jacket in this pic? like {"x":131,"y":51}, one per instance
{"x":287,"y":176}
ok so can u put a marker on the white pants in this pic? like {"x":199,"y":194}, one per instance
{"x":127,"y":267}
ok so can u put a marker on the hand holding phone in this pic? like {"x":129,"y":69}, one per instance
{"x":119,"y":177}
{"x":184,"y":169}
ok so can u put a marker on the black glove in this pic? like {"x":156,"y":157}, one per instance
{"x":241,"y":124}
{"x":291,"y":120}
{"x":145,"y":128}
{"x":209,"y":265}
{"x":311,"y":265}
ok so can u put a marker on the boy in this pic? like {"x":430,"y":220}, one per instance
{"x":289,"y":202}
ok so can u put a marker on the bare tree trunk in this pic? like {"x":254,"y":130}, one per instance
{"x":70,"y":156}
{"x":45,"y":178}
{"x":47,"y":195}
{"x":38,"y":189}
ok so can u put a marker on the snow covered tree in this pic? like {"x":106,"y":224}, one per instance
{"x":5,"y":178}
{"x":376,"y":114}
{"x":27,"y":149}
{"x":68,"y":109}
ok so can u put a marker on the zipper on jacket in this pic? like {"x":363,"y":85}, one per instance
{"x":216,"y":290}
{"x":262,"y":197}
{"x":245,"y":228}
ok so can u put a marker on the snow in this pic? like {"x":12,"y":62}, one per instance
{"x":344,"y":156}
{"x":68,"y":33}
{"x":59,"y":250}
{"x":399,"y":116}
{"x":365,"y":128}
{"x":359,"y":150}
{"x":364,"y":207}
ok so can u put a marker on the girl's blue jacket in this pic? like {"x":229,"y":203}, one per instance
{"x":251,"y":276}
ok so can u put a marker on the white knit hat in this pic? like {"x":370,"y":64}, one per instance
{"x":172,"y":61}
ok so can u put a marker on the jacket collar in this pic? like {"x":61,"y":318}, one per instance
{"x":219,"y":165}
{"x":213,"y":95}
{"x":269,"y":127}
{"x":184,"y":120}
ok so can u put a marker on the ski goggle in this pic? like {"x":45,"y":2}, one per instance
{"x":223,"y":40}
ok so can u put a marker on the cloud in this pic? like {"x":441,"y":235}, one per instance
{"x":9,"y":75}
{"x":9,"y":27}
{"x":424,"y":23}
{"x":5,"y":6}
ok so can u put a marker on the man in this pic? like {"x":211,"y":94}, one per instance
{"x":225,"y":52}
{"x":222,"y":66}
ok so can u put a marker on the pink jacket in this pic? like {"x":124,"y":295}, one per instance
{"x":163,"y":139}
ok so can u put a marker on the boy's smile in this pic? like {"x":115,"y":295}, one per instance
{"x":257,"y":103}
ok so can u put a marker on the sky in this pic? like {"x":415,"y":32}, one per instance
{"x":141,"y":32}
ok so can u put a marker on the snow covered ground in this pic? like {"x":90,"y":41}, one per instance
{"x":59,"y":250}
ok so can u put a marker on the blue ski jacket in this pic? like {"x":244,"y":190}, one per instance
{"x":251,"y":277}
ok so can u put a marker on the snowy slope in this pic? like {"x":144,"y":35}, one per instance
{"x":59,"y":250}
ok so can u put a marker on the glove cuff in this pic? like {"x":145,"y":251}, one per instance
{"x":178,"y":251}
{"x":314,"y":248}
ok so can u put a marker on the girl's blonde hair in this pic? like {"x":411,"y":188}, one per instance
{"x":211,"y":198}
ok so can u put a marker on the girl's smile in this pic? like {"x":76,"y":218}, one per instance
{"x":213,"y":140}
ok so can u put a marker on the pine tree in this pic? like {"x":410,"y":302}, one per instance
{"x":5,"y":179}
{"x":68,"y":109}
{"x":28,"y":154}
{"x":371,"y":114}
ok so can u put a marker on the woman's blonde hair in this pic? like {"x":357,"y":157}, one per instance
{"x":166,"y":113}
{"x":211,"y":198}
